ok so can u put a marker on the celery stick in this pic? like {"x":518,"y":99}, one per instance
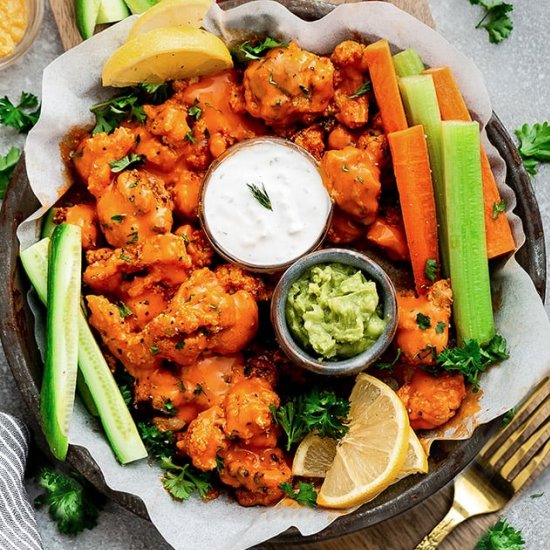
{"x":421,"y":106}
{"x":473,"y":311}
{"x":408,"y":63}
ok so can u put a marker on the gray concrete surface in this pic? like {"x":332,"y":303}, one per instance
{"x":518,"y":77}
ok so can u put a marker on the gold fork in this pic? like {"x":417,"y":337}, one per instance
{"x":502,"y":467}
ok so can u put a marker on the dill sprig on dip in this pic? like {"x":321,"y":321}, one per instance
{"x":260,"y":195}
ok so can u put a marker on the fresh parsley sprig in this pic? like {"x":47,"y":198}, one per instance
{"x":159,"y":444}
{"x":72,"y":506}
{"x":502,"y":536}
{"x":305,"y":494}
{"x":22,"y":116}
{"x":495,"y":20}
{"x":534,"y":145}
{"x":182,"y":481}
{"x":320,"y":411}
{"x":252,"y":50}
{"x":8,"y":163}
{"x":129,"y":161}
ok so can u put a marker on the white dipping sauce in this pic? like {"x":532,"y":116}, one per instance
{"x":250,"y":233}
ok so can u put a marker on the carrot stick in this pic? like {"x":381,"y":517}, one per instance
{"x":411,"y":164}
{"x":452,"y":107}
{"x":384,"y":84}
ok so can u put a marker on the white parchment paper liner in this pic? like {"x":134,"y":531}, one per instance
{"x":72,"y":83}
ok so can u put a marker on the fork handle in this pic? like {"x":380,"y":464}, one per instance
{"x":434,"y":538}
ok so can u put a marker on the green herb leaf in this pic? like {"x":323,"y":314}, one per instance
{"x":534,"y":145}
{"x":126,"y":393}
{"x":182,"y":481}
{"x":133,"y":237}
{"x":306,"y":494}
{"x":7,"y":166}
{"x":129,"y":161}
{"x":190,"y":137}
{"x":507,"y":418}
{"x":195,"y":111}
{"x":305,"y":90}
{"x":498,"y":207}
{"x":423,"y":321}
{"x":111,"y":113}
{"x":253,"y":50}
{"x":159,"y":444}
{"x":440,"y":327}
{"x":198,"y":390}
{"x":125,"y":258}
{"x":260,"y":195}
{"x":496,"y":20}
{"x":118,"y":218}
{"x":430,"y":269}
{"x":502,"y":536}
{"x":365,"y":88}
{"x":169,"y":407}
{"x":389,"y":366}
{"x":72,"y":506}
{"x":18,"y":116}
{"x":123,"y":310}
{"x":536,"y":495}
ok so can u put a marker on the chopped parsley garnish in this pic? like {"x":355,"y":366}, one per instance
{"x":190,"y":137}
{"x":260,"y":195}
{"x":180,"y":345}
{"x":182,"y":481}
{"x":124,"y":310}
{"x":126,"y":393}
{"x":198,"y":390}
{"x":507,"y":418}
{"x":169,"y":407}
{"x":118,"y":218}
{"x":320,"y":411}
{"x":195,"y":111}
{"x":440,"y":327}
{"x":125,"y":258}
{"x":365,"y":88}
{"x":389,"y":366}
{"x":306,"y":494}
{"x":498,"y":207}
{"x":7,"y":166}
{"x":472,"y":359}
{"x":253,"y":50}
{"x":133,"y":237}
{"x":71,"y":504}
{"x":154,"y":350}
{"x":129,"y":161}
{"x":536,"y":495}
{"x":158,"y":443}
{"x":430,"y":270}
{"x":305,"y":90}
{"x":495,"y":20}
{"x":423,"y":321}
{"x":22,"y":116}
{"x":534,"y":145}
{"x":502,"y":536}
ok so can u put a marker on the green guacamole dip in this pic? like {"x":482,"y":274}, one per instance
{"x":333,"y":311}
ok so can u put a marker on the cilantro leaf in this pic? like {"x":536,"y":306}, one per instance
{"x":182,"y":481}
{"x":72,"y":506}
{"x":7,"y":166}
{"x":502,"y":536}
{"x":430,"y":269}
{"x":126,"y":162}
{"x":289,"y":417}
{"x":159,"y":444}
{"x":495,"y":20}
{"x":18,"y":116}
{"x":472,"y":359}
{"x":423,"y":321}
{"x":306,"y":494}
{"x":110,"y":114}
{"x":534,"y":145}
{"x":254,"y":50}
{"x":365,"y":88}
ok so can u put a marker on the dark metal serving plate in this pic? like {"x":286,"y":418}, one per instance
{"x":17,"y":335}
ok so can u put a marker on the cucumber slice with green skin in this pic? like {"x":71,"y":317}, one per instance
{"x":139,"y":6}
{"x":111,"y":11}
{"x":86,"y":12}
{"x":61,"y":363}
{"x":48,"y":225}
{"x":97,"y":378}
{"x":85,"y":393}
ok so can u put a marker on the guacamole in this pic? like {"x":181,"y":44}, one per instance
{"x":333,"y":311}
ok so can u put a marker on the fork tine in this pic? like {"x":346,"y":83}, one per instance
{"x":531,"y":467}
{"x":520,"y":436}
{"x":498,"y":445}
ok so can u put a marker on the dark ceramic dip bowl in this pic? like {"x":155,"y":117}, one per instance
{"x":387,"y":296}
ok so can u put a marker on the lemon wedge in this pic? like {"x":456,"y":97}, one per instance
{"x":171,"y":13}
{"x":416,"y":461}
{"x":168,"y":53}
{"x":314,"y":456}
{"x":370,"y":456}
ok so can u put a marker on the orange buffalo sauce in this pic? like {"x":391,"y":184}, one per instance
{"x":13,"y":23}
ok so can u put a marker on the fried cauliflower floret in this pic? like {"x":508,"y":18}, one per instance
{"x":288,"y":85}
{"x":233,"y":278}
{"x":350,"y":99}
{"x":203,"y":316}
{"x":312,"y":139}
{"x":432,"y":400}
{"x":163,"y":157}
{"x":256,"y":474}
{"x":162,"y":258}
{"x":343,"y":230}
{"x":340,"y":137}
{"x":418,"y":345}
{"x":376,"y":145}
{"x":185,"y":193}
{"x":168,"y":121}
{"x":353,"y":183}
{"x":83,"y":215}
{"x":92,"y":157}
{"x":117,"y":334}
{"x":247,"y":408}
{"x":388,"y":233}
{"x":198,"y":246}
{"x":135,"y":207}
{"x":205,"y":439}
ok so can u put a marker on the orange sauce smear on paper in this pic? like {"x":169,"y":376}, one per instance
{"x":13,"y":23}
